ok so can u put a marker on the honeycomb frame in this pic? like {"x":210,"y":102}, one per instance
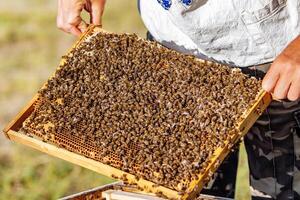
{"x":85,"y":159}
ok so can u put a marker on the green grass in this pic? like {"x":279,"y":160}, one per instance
{"x":242,"y":183}
{"x":30,"y":50}
{"x":27,"y":174}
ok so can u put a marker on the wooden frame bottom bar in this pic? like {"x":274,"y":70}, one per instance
{"x":87,"y":163}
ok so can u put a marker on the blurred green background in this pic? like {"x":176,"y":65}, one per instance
{"x":30,"y":50}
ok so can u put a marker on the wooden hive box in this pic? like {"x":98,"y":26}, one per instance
{"x":117,"y":191}
{"x":74,"y":152}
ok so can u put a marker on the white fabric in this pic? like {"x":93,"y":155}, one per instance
{"x":236,"y":32}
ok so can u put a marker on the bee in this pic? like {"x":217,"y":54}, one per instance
{"x":114,"y":176}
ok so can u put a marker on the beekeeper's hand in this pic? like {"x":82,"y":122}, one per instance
{"x":283,"y":78}
{"x":68,"y":16}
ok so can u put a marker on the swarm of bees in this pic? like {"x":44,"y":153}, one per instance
{"x":142,"y":108}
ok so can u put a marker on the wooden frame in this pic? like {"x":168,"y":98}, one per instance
{"x":123,"y":193}
{"x":248,"y":119}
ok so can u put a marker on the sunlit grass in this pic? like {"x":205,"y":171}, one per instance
{"x":242,"y":184}
{"x":28,"y":174}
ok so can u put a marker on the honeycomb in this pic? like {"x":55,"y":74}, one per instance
{"x":142,"y":108}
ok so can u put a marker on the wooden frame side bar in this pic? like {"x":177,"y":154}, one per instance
{"x":263,"y":100}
